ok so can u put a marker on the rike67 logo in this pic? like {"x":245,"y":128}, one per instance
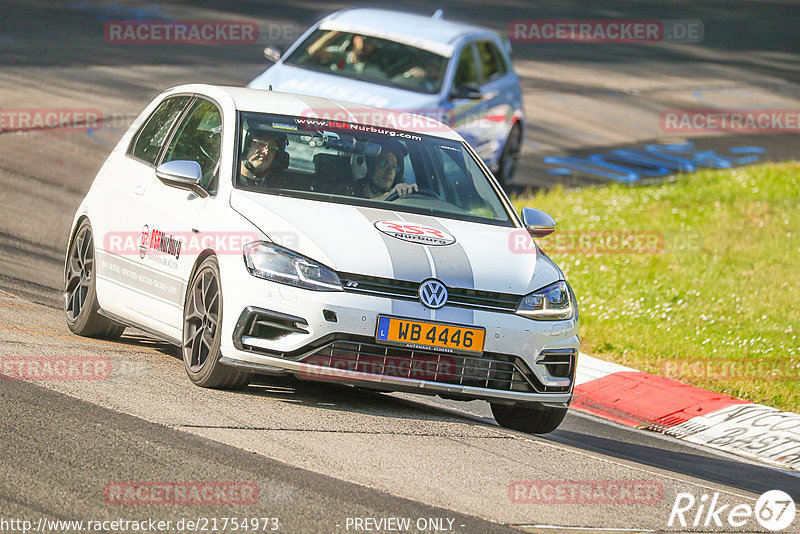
{"x":774,"y":511}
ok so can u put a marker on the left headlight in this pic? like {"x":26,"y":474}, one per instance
{"x":272,"y":262}
{"x":551,"y":303}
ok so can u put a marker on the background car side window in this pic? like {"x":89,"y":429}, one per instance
{"x":151,"y":136}
{"x":492,"y":65}
{"x":466,"y":71}
{"x":198,"y":138}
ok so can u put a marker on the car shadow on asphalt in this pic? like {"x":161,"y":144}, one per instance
{"x":322,"y":394}
{"x":134,"y":338}
{"x":343,"y":397}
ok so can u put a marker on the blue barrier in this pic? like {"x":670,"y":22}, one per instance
{"x":653,"y":160}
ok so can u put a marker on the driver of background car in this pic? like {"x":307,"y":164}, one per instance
{"x":384,"y":173}
{"x":427,"y":72}
{"x":356,"y":55}
{"x":264,"y":159}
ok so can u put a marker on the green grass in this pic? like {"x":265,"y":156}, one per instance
{"x":718,"y":305}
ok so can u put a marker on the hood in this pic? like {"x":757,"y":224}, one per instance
{"x":308,"y":82}
{"x":347,"y":239}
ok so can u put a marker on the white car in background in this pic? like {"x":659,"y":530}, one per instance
{"x":260,"y":240}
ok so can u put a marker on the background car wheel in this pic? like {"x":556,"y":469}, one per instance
{"x":510,"y":156}
{"x":202,"y":324}
{"x":80,"y":295}
{"x":530,"y":420}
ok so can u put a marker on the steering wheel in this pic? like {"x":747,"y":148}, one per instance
{"x":423,"y":192}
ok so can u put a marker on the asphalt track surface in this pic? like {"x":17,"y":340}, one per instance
{"x":321,"y":453}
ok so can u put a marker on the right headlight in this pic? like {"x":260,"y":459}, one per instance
{"x":551,"y":303}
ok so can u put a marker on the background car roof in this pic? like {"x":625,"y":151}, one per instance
{"x":291,"y":104}
{"x":404,"y":26}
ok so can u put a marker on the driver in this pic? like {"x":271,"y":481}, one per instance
{"x":384,"y":178}
{"x":264,"y":159}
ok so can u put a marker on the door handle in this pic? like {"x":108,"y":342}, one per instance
{"x":138,"y":190}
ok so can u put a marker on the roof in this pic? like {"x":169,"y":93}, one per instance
{"x":261,"y":101}
{"x":436,"y":35}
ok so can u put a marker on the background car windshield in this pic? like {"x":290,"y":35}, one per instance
{"x":356,"y":164}
{"x":371,"y":59}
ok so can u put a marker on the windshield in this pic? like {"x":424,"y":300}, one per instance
{"x":371,"y":59}
{"x":350,"y":163}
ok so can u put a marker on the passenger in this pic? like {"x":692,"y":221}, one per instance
{"x":385,"y":176}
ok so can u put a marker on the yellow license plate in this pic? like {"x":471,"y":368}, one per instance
{"x":437,"y":336}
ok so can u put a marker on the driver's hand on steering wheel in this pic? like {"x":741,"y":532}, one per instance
{"x":403,"y":190}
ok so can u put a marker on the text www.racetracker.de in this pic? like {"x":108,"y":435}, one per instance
{"x":196,"y":524}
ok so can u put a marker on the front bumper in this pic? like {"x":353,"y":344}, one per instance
{"x":330,"y":336}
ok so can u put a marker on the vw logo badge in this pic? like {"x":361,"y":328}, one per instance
{"x":433,"y":294}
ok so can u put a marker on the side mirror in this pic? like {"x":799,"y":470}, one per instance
{"x":537,"y":222}
{"x":272,"y":53}
{"x":182,"y":174}
{"x":468,"y":91}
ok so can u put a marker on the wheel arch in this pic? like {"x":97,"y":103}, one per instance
{"x":207,"y":253}
{"x":75,"y":226}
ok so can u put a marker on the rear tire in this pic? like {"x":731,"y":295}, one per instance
{"x":530,"y":420}
{"x":80,"y":293}
{"x":202,"y":329}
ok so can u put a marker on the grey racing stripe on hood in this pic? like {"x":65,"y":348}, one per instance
{"x":409,"y":262}
{"x":452,"y":267}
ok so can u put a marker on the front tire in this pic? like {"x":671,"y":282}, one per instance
{"x":80,"y":293}
{"x":202,"y":332}
{"x":530,"y":420}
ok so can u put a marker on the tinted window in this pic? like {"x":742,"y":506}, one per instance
{"x":371,"y":59}
{"x":197,"y":138}
{"x":492,"y":65}
{"x":466,"y":72}
{"x":151,"y":136}
{"x":351,"y":163}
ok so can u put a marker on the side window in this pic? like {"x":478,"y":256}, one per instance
{"x":466,"y":72}
{"x":151,"y":136}
{"x":198,"y":138}
{"x":492,"y":64}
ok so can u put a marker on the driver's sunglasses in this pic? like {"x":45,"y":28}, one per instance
{"x":258,"y":145}
{"x":384,"y":165}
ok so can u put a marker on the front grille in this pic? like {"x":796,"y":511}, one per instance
{"x":402,"y":289}
{"x":489,"y":370}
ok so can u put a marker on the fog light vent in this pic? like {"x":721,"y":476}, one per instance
{"x":267,"y":324}
{"x":559,"y":362}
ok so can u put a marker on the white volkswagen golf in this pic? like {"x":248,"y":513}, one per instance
{"x":271,"y":233}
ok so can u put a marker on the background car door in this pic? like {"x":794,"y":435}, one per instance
{"x":498,"y":88}
{"x":119,"y":219}
{"x":173,"y":215}
{"x":468,"y":113}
